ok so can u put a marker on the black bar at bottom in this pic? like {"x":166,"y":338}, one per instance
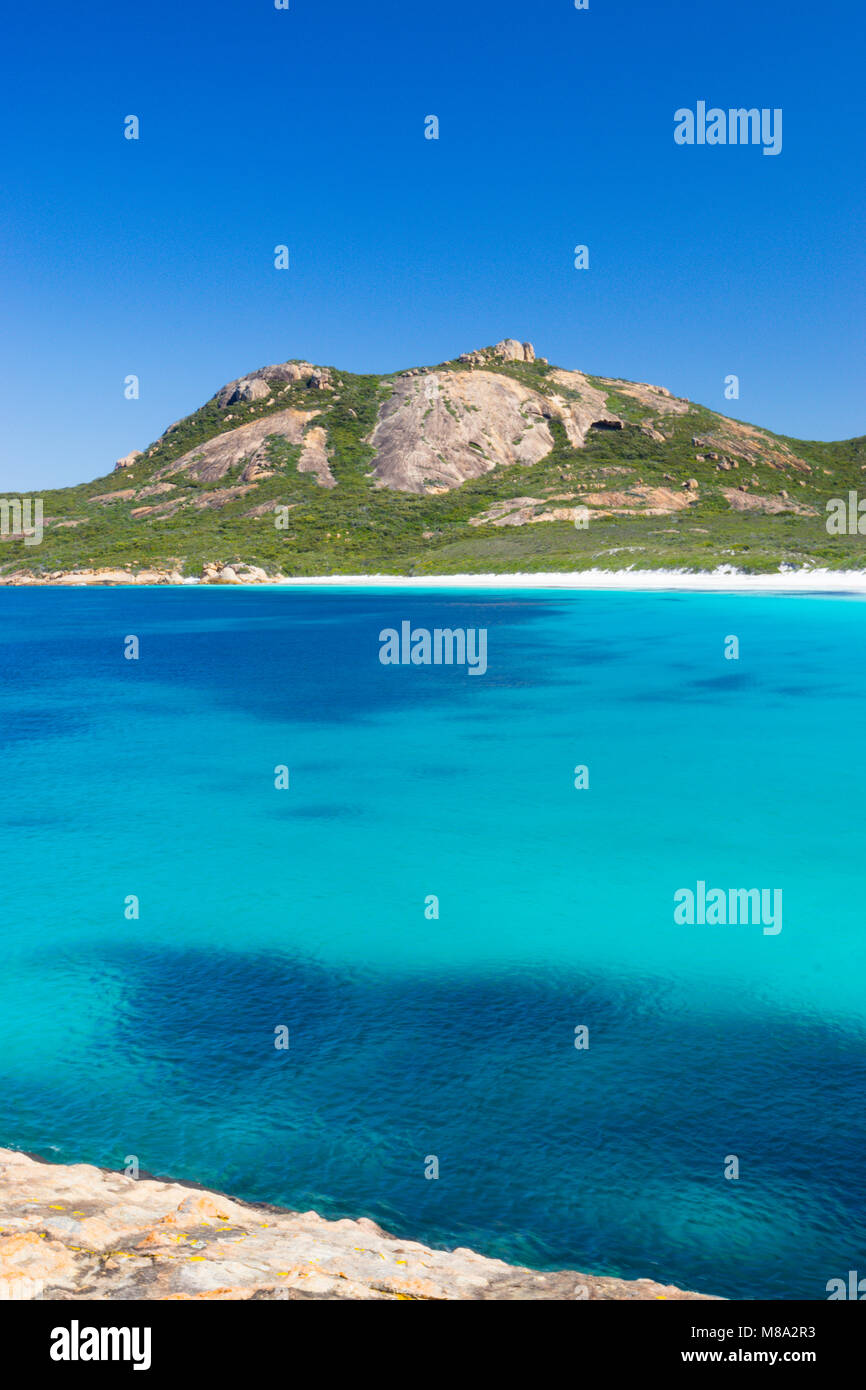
{"x":234,"y":1339}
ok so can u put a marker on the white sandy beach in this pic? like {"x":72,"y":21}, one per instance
{"x":722,"y":580}
{"x":817,"y":581}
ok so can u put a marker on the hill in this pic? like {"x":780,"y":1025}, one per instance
{"x":495,"y":461}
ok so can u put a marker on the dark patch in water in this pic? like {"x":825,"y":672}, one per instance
{"x":335,"y":811}
{"x":382,"y":1071}
{"x":727,"y":682}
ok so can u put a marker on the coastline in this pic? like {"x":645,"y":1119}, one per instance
{"x":709,"y":581}
{"x":723,"y":580}
{"x":77,"y":1232}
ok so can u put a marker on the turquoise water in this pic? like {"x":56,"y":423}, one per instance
{"x":454,"y":1037}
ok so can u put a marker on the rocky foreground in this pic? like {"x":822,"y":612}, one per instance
{"x":80,"y":1232}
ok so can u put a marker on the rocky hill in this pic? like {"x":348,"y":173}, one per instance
{"x":495,"y":461}
{"x":81,"y":1233}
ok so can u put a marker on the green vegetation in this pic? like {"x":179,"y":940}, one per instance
{"x":358,"y":527}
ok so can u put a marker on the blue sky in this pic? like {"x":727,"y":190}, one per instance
{"x":306,"y":127}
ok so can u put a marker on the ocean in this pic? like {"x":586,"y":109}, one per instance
{"x":475,"y":963}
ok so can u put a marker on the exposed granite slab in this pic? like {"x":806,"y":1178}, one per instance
{"x":79,"y":1232}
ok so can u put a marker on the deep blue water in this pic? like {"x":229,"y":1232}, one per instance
{"x":453,"y":1037}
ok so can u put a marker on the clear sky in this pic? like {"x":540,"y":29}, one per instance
{"x":306,"y":127}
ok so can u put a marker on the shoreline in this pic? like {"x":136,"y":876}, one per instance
{"x":714,"y":581}
{"x":78,"y":1232}
{"x":723,"y":580}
